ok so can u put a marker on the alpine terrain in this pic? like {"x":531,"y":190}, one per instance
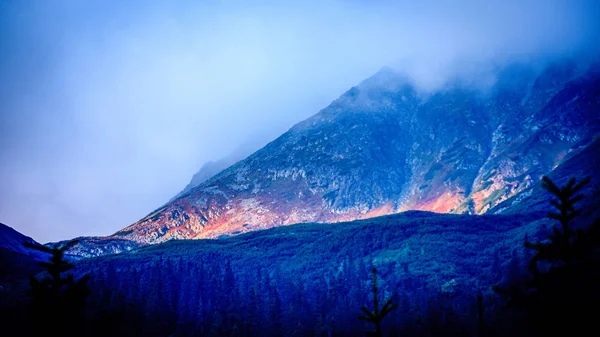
{"x":385,"y":147}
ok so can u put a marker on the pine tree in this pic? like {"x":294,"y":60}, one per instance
{"x":57,"y":300}
{"x":378,"y":314}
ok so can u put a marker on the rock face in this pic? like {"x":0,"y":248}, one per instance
{"x":577,"y":164}
{"x":383,"y":147}
{"x":91,"y":246}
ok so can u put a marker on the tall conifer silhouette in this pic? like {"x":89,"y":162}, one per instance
{"x":378,"y":314}
{"x":57,"y":300}
{"x":562,"y":292}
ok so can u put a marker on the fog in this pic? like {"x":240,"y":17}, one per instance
{"x":107,"y":108}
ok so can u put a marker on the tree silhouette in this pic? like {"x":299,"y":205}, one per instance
{"x":377,"y":315}
{"x":57,"y":301}
{"x":480,"y":318}
{"x":563,"y":245}
{"x":562,"y":292}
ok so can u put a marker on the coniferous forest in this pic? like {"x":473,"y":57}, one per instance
{"x":332,"y":280}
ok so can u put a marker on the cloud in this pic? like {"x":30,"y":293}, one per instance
{"x":107,"y":108}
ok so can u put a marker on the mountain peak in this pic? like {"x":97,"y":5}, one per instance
{"x":379,"y":149}
{"x":386,"y":79}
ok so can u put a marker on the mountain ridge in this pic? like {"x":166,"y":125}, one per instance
{"x":381,"y":148}
{"x":13,"y":240}
{"x":214,"y":167}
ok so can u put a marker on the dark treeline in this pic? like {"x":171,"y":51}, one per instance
{"x":217,"y":294}
{"x":233,"y":290}
{"x":205,"y":297}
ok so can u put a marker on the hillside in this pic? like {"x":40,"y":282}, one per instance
{"x":309,"y":279}
{"x":89,"y":246}
{"x":16,"y":261}
{"x":12,"y":240}
{"x":581,"y":164}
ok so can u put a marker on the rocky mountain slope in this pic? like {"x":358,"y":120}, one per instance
{"x":383,"y":147}
{"x":90,"y":246}
{"x":581,"y":164}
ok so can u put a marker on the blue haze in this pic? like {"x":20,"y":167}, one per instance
{"x":107,"y":108}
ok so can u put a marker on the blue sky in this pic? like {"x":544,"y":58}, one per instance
{"x":107,"y":108}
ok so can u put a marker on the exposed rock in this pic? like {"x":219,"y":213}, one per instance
{"x":383,"y":147}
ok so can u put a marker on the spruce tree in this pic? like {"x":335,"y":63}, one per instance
{"x":57,"y":299}
{"x":378,"y":314}
{"x":561,"y":294}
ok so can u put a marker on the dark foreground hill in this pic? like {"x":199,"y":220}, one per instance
{"x":16,"y":260}
{"x":17,"y":263}
{"x":311,"y":279}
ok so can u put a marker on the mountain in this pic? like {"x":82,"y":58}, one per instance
{"x":384,"y":147}
{"x":91,"y":246}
